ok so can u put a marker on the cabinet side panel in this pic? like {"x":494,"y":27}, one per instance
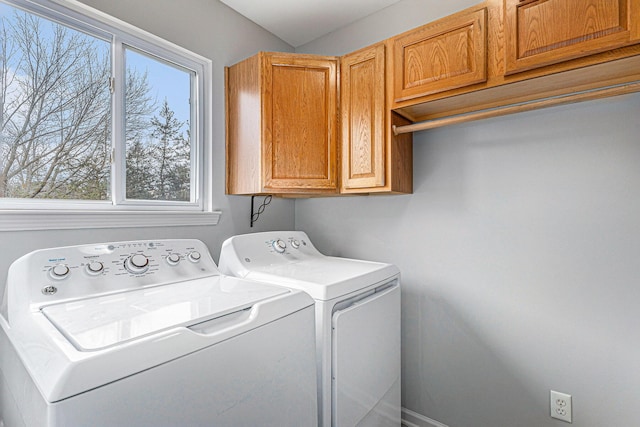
{"x":243,"y":127}
{"x":634,"y":19}
{"x":401,"y":157}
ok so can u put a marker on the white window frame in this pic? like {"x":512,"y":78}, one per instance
{"x":41,"y":214}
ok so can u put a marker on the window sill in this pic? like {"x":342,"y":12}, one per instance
{"x":23,"y":220}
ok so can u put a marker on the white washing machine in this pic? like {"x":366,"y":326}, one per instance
{"x":357,"y":321}
{"x":149,"y":333}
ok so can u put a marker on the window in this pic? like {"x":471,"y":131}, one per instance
{"x":158,"y":145}
{"x":96,"y":115}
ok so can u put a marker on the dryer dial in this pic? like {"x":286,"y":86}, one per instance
{"x":279,"y":245}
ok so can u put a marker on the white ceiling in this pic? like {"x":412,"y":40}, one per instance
{"x":300,"y":21}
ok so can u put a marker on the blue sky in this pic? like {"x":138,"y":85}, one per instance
{"x":166,"y":81}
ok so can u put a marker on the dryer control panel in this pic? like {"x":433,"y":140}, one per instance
{"x":59,"y":274}
{"x":250,"y":251}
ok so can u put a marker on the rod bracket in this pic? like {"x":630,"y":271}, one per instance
{"x":255,"y":213}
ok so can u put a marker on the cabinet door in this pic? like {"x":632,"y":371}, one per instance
{"x":362,"y":94}
{"x":448,"y":54}
{"x":544,"y":32}
{"x":299,"y":123}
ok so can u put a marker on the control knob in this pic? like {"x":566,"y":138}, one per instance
{"x":295,"y":244}
{"x":279,"y":245}
{"x":194,"y":256}
{"x":59,"y":272}
{"x":94,"y":268}
{"x":137,"y":264}
{"x":173,"y":259}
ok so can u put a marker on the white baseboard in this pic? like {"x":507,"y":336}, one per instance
{"x":413,"y":419}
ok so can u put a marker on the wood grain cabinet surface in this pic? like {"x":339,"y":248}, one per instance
{"x":284,"y":135}
{"x":282,"y":124}
{"x":373,"y":160}
{"x":363,"y":118}
{"x":447,"y":54}
{"x":545,"y":32}
{"x":535,"y":50}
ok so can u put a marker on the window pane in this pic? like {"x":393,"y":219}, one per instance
{"x":56,"y":110}
{"x":157,"y":127}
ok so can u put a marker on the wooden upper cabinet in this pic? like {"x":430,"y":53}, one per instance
{"x":363,"y":117}
{"x":447,"y":54}
{"x":300,"y":118}
{"x":545,"y":32}
{"x":282,"y":125}
{"x":373,"y":159}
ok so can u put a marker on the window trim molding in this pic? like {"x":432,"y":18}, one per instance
{"x":96,"y":214}
{"x":38,"y":220}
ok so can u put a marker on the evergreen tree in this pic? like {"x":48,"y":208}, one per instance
{"x":138,"y":106}
{"x":170,"y":156}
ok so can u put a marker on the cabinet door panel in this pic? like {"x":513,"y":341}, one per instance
{"x":446,"y":55}
{"x":363,"y":112}
{"x":544,"y":32}
{"x":299,"y":124}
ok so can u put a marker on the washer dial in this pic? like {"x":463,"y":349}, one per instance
{"x":94,"y":268}
{"x":194,"y":256}
{"x":59,"y":272}
{"x":137,"y":264}
{"x":173,"y":259}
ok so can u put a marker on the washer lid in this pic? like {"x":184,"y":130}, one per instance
{"x":101,"y":322}
{"x":325,"y":277}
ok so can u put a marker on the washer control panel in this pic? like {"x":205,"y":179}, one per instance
{"x":58,"y":274}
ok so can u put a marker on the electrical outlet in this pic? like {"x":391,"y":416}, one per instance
{"x":561,"y":406}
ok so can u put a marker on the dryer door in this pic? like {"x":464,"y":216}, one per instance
{"x":366,"y":361}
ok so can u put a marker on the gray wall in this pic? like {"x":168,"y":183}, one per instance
{"x":211,"y":29}
{"x":519,"y":249}
{"x":519,"y":253}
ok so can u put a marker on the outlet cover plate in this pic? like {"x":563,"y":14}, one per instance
{"x":560,"y":404}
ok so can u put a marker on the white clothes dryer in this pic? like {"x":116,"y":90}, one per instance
{"x":357,"y":321}
{"x":149,"y":333}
